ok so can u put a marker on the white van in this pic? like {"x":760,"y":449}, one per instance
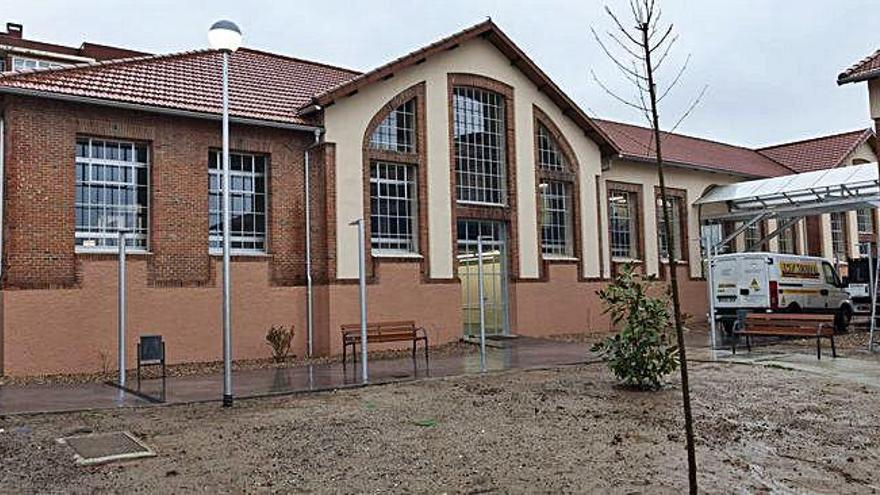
{"x":772,"y":282}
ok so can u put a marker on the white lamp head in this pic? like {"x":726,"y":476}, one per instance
{"x":224,"y":36}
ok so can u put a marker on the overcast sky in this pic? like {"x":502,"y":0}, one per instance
{"x":770,"y":65}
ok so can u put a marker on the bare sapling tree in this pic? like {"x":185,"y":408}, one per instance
{"x":639,"y":51}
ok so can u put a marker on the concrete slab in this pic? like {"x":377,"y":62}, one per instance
{"x":521,"y":353}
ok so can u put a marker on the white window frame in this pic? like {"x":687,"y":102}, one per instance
{"x":379,"y":245}
{"x":244,"y":175}
{"x":136,"y":240}
{"x":36,"y":63}
{"x":465,"y":123}
{"x":675,"y":213}
{"x":632,"y":219}
{"x":838,"y":235}
{"x":559,"y":192}
{"x":397,"y":131}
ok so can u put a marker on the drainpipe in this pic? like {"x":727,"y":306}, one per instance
{"x":2,"y":187}
{"x":308,"y":190}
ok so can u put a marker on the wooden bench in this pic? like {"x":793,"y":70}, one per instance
{"x":389,"y":331}
{"x":786,"y":325}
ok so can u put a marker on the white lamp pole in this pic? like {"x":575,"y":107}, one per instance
{"x":225,"y":37}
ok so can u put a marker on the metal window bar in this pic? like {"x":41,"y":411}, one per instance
{"x":247,"y":203}
{"x":622,"y":222}
{"x":393,"y":208}
{"x":111,"y":194}
{"x":674,"y":205}
{"x":397,"y":132}
{"x":549,"y":157}
{"x":556,"y":229}
{"x":479,"y":130}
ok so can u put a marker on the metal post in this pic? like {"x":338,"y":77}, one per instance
{"x":362,"y":266}
{"x":872,"y":280}
{"x":227,"y":221}
{"x":121,"y":309}
{"x":308,"y":210}
{"x":482,"y":296}
{"x":710,"y":281}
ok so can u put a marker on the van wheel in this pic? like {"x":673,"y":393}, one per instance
{"x":793,"y":308}
{"x":842,"y":319}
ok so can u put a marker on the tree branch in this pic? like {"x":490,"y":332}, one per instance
{"x":675,"y":79}
{"x":614,"y":59}
{"x":690,"y":109}
{"x":618,"y":98}
{"x":662,"y":39}
{"x":620,"y":26}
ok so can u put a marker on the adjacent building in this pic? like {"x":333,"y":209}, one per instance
{"x":461,"y":139}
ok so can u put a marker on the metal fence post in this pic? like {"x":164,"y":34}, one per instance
{"x":362,"y":265}
{"x":121,"y":309}
{"x":482,"y":296}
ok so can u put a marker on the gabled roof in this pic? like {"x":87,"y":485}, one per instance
{"x":817,"y":153}
{"x":491,"y":32}
{"x":864,"y":69}
{"x":637,"y":143}
{"x":263,"y":86}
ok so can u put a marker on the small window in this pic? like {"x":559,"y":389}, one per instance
{"x":674,"y":204}
{"x":623,"y":221}
{"x":549,"y":157}
{"x":247,"y":198}
{"x":111,"y":193}
{"x":479,"y":133}
{"x":752,"y":235}
{"x":830,"y":275}
{"x":838,"y":236}
{"x":392,"y":208}
{"x":398,"y":131}
{"x":24,"y":63}
{"x":787,"y":240}
{"x":556,"y":229}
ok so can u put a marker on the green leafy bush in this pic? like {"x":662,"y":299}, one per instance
{"x":280,"y":340}
{"x":640,"y":355}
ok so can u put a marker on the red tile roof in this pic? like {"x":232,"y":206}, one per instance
{"x":636,"y":143}
{"x":867,"y":68}
{"x":817,"y":153}
{"x":263,"y":86}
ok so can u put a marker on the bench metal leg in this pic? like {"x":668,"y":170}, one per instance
{"x":819,"y":348}
{"x":749,"y":343}
{"x":415,"y":341}
{"x":833,"y":350}
{"x":344,"y":352}
{"x":425,"y":343}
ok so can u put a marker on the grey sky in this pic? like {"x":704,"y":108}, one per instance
{"x":770,"y":65}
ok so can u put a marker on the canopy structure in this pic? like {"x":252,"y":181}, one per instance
{"x":797,"y":195}
{"x":787,"y":199}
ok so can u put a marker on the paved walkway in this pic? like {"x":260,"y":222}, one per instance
{"x":519,"y":353}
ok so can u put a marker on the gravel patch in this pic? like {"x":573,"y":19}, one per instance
{"x":561,"y":430}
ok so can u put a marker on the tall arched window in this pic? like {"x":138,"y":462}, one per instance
{"x":392,"y":163}
{"x":557,"y":183}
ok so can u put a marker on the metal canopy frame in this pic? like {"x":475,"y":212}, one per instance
{"x":789,"y":199}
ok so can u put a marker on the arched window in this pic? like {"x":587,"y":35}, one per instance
{"x":392,"y":172}
{"x":556,"y":192}
{"x":397,"y":132}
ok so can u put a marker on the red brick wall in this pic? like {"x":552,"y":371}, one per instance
{"x":40,"y":192}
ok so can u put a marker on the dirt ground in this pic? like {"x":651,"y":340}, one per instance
{"x":562,"y":430}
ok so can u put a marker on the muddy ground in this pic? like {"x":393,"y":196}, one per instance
{"x":563,"y":430}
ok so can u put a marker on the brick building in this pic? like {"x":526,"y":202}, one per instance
{"x":465,"y":137}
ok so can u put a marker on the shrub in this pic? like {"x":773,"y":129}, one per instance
{"x":280,"y":340}
{"x":640,"y":355}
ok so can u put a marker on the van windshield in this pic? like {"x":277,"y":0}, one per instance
{"x":830,"y":275}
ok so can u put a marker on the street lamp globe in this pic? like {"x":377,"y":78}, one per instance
{"x":224,"y":36}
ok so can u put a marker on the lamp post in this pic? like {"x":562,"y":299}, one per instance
{"x":225,"y":37}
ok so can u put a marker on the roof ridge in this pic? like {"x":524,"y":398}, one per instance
{"x":26,"y":73}
{"x":301,"y":60}
{"x":476,"y":27}
{"x":698,"y":138}
{"x":866,"y":130}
